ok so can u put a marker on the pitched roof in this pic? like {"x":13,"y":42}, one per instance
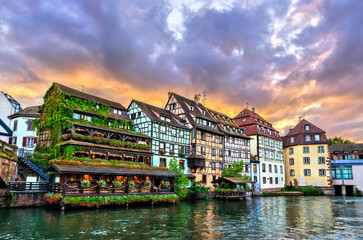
{"x":299,"y":133}
{"x":197,"y":107}
{"x":253,"y":124}
{"x":70,"y":169}
{"x":235,"y":180}
{"x":225,"y":121}
{"x":32,"y":111}
{"x":75,"y":93}
{"x":346,"y":147}
{"x":154,"y":114}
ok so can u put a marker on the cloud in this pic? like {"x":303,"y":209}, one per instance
{"x":283,"y":57}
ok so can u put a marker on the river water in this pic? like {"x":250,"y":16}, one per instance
{"x":257,"y":218}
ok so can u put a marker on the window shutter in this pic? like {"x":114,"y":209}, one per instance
{"x":24,"y":141}
{"x":35,"y":140}
{"x":10,"y":140}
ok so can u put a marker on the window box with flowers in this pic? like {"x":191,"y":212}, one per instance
{"x":162,"y":152}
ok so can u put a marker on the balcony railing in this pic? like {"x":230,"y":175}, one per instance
{"x":28,"y":187}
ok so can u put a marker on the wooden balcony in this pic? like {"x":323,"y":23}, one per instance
{"x":28,"y":187}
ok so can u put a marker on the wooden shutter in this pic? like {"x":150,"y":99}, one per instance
{"x":24,"y":141}
{"x":35,"y":140}
{"x":10,"y":140}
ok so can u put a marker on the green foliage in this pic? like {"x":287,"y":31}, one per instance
{"x":117,"y":183}
{"x":182,"y":182}
{"x":85,"y":183}
{"x":358,"y":192}
{"x":235,"y":171}
{"x":182,"y":155}
{"x":131,"y":183}
{"x":290,"y":187}
{"x":312,"y":191}
{"x":101,"y":183}
{"x":339,"y":140}
{"x":147,"y":184}
{"x":162,"y":152}
{"x":198,"y":188}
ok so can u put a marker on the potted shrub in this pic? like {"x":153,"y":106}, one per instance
{"x":171,"y":153}
{"x":131,"y":183}
{"x":147,"y":184}
{"x":182,"y":155}
{"x":166,"y":184}
{"x":85,"y":183}
{"x":162,"y":152}
{"x":101,"y":183}
{"x":117,"y":183}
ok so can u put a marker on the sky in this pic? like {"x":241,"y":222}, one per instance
{"x":288,"y":59}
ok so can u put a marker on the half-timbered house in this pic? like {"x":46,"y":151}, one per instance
{"x":170,"y":136}
{"x":236,"y":143}
{"x":207,"y":148}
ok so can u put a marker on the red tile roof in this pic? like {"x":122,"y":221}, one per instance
{"x":299,"y":133}
{"x":249,"y":120}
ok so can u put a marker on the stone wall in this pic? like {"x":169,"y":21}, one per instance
{"x":26,"y":200}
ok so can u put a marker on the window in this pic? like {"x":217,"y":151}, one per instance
{"x":193,"y":149}
{"x":281,"y":169}
{"x":162,"y":129}
{"x":246,"y":168}
{"x":321,"y":160}
{"x":182,"y":164}
{"x":229,"y":153}
{"x":192,"y":109}
{"x":263,"y":167}
{"x":267,"y":154}
{"x":76,"y":116}
{"x":220,"y":139}
{"x":181,"y":133}
{"x":213,"y":138}
{"x":202,"y":150}
{"x":162,"y":146}
{"x":270,"y":168}
{"x":263,"y":153}
{"x":320,"y":149}
{"x":268,"y":142}
{"x":173,"y":132}
{"x":204,"y":179}
{"x":15,"y":128}
{"x":213,"y":151}
{"x":291,"y":160}
{"x":276,"y":180}
{"x":255,"y":179}
{"x":271,"y":180}
{"x":264,"y":179}
{"x":337,"y":173}
{"x":162,"y":162}
{"x":307,"y":172}
{"x":322,"y":172}
{"x":308,"y":138}
{"x":202,"y":136}
{"x":262,"y":140}
{"x":221,"y":153}
{"x":171,"y":148}
{"x":275,"y":168}
{"x":307,"y":127}
{"x":305,"y":149}
{"x":29,"y":125}
{"x":172,"y":106}
{"x":193,"y":134}
{"x":220,"y":166}
{"x":306,"y":160}
{"x":14,"y":140}
{"x":292,"y":172}
{"x":291,"y":151}
{"x":213,"y":166}
{"x":182,"y":149}
{"x":30,"y":142}
{"x":317,"y":137}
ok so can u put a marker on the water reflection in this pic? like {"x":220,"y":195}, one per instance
{"x":272,"y":217}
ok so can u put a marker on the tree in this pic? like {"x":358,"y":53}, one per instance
{"x":235,"y":171}
{"x":339,"y":140}
{"x":182,"y":182}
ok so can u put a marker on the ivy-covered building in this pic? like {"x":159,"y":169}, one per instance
{"x":91,"y":139}
{"x":170,"y":136}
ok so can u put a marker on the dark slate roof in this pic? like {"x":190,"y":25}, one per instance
{"x":75,"y":93}
{"x":70,"y":169}
{"x":246,"y":120}
{"x":299,"y":133}
{"x":221,"y":119}
{"x":32,"y":111}
{"x":196,"y":156}
{"x":152,"y":112}
{"x":233,"y":180}
{"x":184,"y":102}
{"x":346,"y":147}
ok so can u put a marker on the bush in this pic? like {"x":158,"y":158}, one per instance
{"x":312,"y":191}
{"x":358,"y":192}
{"x":290,"y":187}
{"x":199,"y":190}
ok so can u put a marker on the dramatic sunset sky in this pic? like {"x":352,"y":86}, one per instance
{"x":286,"y":58}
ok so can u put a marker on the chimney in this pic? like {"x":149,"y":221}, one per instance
{"x":196,"y":98}
{"x":253,"y":109}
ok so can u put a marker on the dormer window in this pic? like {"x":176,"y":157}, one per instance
{"x":317,"y":137}
{"x":308,"y":138}
{"x":292,"y":140}
{"x":203,"y":112}
{"x":307,"y":127}
{"x":191,"y":108}
{"x":172,"y":106}
{"x":182,"y":123}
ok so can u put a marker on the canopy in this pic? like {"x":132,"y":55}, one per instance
{"x":233,"y":180}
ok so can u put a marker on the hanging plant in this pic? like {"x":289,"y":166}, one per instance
{"x":117,"y":183}
{"x":131,"y":183}
{"x":162,"y":152}
{"x":166,"y":184}
{"x":147,"y":184}
{"x":101,"y":183}
{"x":85,"y":183}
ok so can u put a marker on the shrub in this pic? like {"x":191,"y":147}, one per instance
{"x":85,"y":183}
{"x":131,"y":183}
{"x":102,"y":183}
{"x":166,"y":184}
{"x":358,"y":192}
{"x":147,"y":184}
{"x":198,"y":188}
{"x":117,"y":183}
{"x":312,"y":191}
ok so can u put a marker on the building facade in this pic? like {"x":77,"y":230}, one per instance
{"x":236,"y":143}
{"x":347,"y":168}
{"x":170,"y":136}
{"x":24,"y":133}
{"x":266,"y":147}
{"x":8,"y":106}
{"x":207,"y":141}
{"x":306,"y":156}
